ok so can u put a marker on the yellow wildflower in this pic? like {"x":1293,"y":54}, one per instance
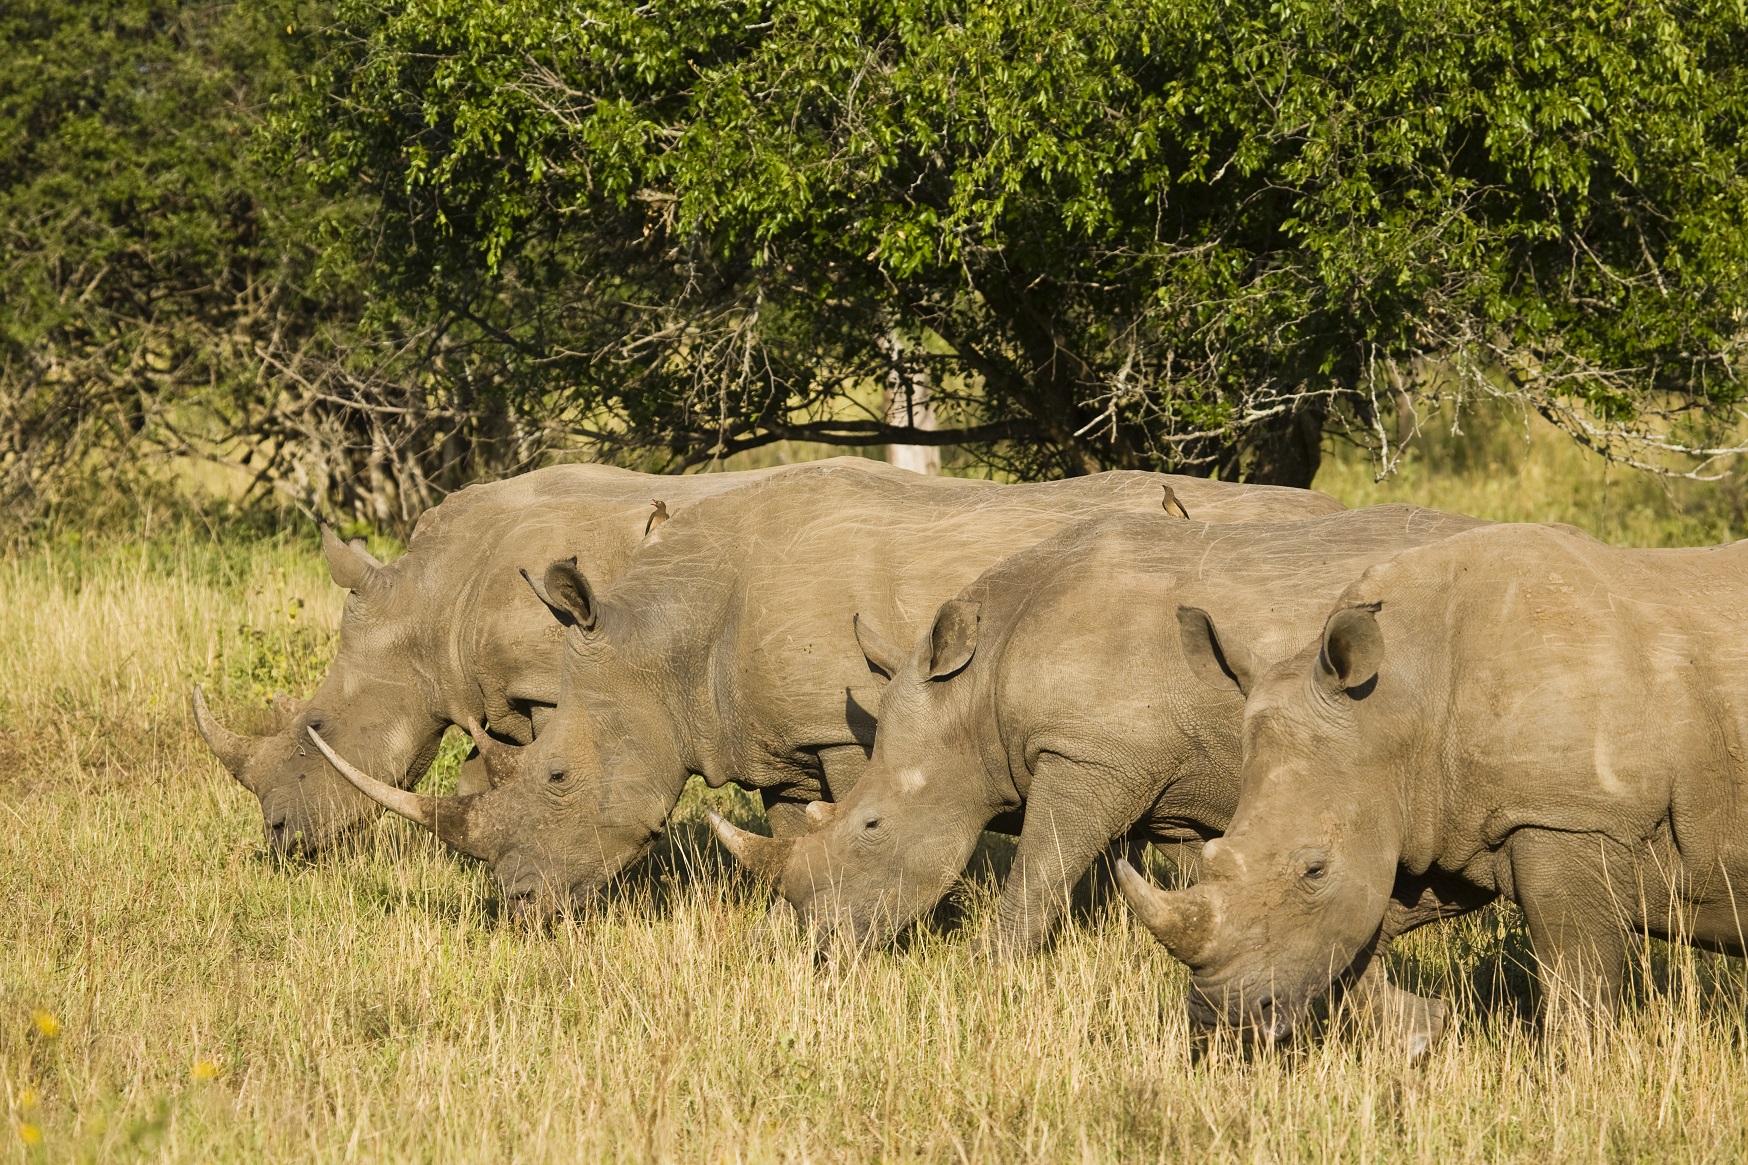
{"x":48,"y":1025}
{"x":28,"y":1098}
{"x":204,"y":1069}
{"x":30,"y":1134}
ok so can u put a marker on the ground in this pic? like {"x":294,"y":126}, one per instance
{"x":169,"y":993}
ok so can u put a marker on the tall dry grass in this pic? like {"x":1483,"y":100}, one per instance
{"x":168,"y":993}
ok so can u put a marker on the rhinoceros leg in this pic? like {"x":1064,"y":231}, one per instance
{"x":843,"y":766}
{"x":840,"y":767}
{"x":1067,"y":828}
{"x":1412,"y":1022}
{"x":1573,"y":888}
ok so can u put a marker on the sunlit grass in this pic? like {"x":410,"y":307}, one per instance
{"x":1515,"y":469}
{"x":169,"y":993}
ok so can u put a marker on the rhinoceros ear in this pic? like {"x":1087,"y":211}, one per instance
{"x":953,"y":638}
{"x":1222,"y":666}
{"x":362,"y":549}
{"x":567,"y":594}
{"x":881,"y":653}
{"x":1353,"y":650}
{"x":350,"y":568}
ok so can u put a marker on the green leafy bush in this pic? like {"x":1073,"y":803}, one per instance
{"x":1132,"y":235}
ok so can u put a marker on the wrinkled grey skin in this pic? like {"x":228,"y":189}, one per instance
{"x":1518,"y":711}
{"x":727,"y":649}
{"x":1055,"y":683}
{"x":447,"y":634}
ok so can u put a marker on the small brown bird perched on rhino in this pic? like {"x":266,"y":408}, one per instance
{"x":726,"y":650}
{"x":658,"y":513}
{"x":1520,"y":712}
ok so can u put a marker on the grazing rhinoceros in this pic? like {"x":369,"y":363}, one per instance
{"x":727,"y":650}
{"x":1517,"y":711}
{"x":446,"y":634}
{"x":1056,"y":682}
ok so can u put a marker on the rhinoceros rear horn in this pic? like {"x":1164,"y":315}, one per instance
{"x":450,"y":818}
{"x":763,"y":856}
{"x":1353,"y":650}
{"x":885,"y":655}
{"x":953,"y":638}
{"x":1181,"y":920}
{"x":286,"y":709}
{"x":503,"y":761}
{"x":232,"y":749}
{"x":350,"y":567}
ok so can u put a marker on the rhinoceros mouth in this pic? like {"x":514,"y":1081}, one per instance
{"x":1258,"y":1016}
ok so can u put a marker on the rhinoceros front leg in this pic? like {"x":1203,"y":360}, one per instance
{"x":1412,"y":1022}
{"x":1571,"y":888}
{"x":1073,"y":813}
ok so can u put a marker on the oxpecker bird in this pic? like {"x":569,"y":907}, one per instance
{"x":658,"y":515}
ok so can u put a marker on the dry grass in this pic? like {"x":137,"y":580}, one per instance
{"x":167,"y":993}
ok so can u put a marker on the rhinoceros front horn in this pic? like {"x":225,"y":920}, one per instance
{"x":764,"y":856}
{"x":450,"y":818}
{"x":1181,"y":920}
{"x":232,"y":749}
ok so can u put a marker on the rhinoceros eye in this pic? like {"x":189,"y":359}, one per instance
{"x":557,"y":776}
{"x":1315,"y":870}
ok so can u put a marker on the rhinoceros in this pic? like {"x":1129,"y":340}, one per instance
{"x":1517,"y":711}
{"x":446,"y":634}
{"x":1057,"y":682}
{"x":727,"y":649}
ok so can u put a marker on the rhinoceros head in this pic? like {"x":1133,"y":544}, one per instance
{"x":1294,"y":893}
{"x":370,"y":705}
{"x":889,"y":850}
{"x":592,"y":792}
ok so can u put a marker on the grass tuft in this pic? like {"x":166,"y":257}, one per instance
{"x":169,"y":992}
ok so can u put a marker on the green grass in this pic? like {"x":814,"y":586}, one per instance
{"x":168,"y":993}
{"x":1496,"y":466}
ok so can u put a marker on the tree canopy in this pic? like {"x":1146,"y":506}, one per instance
{"x":368,"y":250}
{"x":1155,"y":234}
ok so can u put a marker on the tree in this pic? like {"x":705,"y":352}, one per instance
{"x":166,"y":295}
{"x":1183,"y":235}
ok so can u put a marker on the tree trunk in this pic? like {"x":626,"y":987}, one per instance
{"x":1289,"y":449}
{"x":908,"y":403}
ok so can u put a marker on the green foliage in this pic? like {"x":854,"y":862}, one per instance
{"x":290,"y":656}
{"x":150,"y":264}
{"x":1145,"y":234}
{"x":166,"y":295}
